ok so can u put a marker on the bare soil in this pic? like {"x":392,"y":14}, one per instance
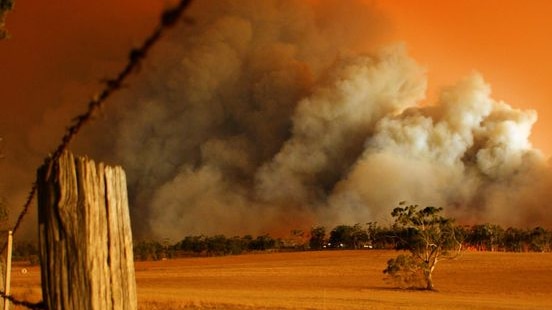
{"x":330,"y":280}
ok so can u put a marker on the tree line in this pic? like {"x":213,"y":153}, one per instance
{"x":371,"y":235}
{"x":200,"y":245}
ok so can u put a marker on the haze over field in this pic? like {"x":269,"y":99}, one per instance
{"x":262,"y":116}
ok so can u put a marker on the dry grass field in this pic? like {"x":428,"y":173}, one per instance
{"x":330,"y":280}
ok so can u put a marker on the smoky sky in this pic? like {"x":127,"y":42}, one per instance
{"x":263,"y":116}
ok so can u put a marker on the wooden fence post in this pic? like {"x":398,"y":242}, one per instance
{"x":85,"y":237}
{"x":7,"y":280}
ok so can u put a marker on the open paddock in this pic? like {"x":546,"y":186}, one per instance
{"x":330,"y":280}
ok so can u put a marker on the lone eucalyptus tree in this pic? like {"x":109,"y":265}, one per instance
{"x":428,"y":238}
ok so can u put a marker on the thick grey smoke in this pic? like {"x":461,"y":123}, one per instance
{"x":269,"y":115}
{"x":468,"y":153}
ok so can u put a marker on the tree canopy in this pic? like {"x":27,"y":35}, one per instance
{"x":428,"y":237}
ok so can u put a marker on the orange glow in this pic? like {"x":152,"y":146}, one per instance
{"x":55,"y":44}
{"x":508,"y":41}
{"x":60,"y":52}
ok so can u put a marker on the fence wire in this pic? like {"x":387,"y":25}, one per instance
{"x":168,"y":19}
{"x":29,"y":305}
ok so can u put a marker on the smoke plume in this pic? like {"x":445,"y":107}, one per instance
{"x":263,"y":116}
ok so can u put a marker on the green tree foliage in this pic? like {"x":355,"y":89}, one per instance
{"x":405,"y":271}
{"x":348,"y":237}
{"x":317,"y":239}
{"x":380,"y":237}
{"x":359,"y":236}
{"x":428,"y":237}
{"x":341,"y":237}
{"x":409,"y":233}
{"x":540,"y":239}
{"x":192,"y":244}
{"x":262,"y":243}
{"x":149,"y":250}
{"x":515,"y":239}
{"x":219,"y":245}
{"x":487,"y":237}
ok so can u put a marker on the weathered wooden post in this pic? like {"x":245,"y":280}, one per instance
{"x":85,"y":237}
{"x":7,"y":280}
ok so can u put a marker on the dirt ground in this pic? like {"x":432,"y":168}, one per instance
{"x":330,"y":280}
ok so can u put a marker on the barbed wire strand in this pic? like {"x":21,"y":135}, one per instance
{"x":169,"y":18}
{"x":29,"y":305}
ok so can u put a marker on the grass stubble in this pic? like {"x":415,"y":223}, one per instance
{"x":329,"y":280}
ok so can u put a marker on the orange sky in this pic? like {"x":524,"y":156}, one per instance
{"x":60,"y":50}
{"x":508,"y":41}
{"x":58,"y":47}
{"x":56,"y":43}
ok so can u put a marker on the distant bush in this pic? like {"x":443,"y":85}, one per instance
{"x":150,"y":250}
{"x":481,"y":237}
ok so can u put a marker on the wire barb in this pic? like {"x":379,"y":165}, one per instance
{"x":168,"y":19}
{"x":29,"y":305}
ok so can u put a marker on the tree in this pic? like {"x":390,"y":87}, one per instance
{"x":341,"y":237}
{"x":217,"y":245}
{"x":317,"y":239}
{"x":428,"y":237}
{"x":515,"y":239}
{"x":148,"y":250}
{"x":372,"y":231}
{"x":487,"y":237}
{"x":359,"y":236}
{"x":262,"y":243}
{"x":380,"y":237}
{"x":540,"y":239}
{"x":237,"y":245}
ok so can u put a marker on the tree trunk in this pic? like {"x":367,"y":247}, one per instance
{"x":429,"y":281}
{"x":84,"y":235}
{"x":428,"y":277}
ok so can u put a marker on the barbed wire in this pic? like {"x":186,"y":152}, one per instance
{"x":169,"y":18}
{"x":29,"y":305}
